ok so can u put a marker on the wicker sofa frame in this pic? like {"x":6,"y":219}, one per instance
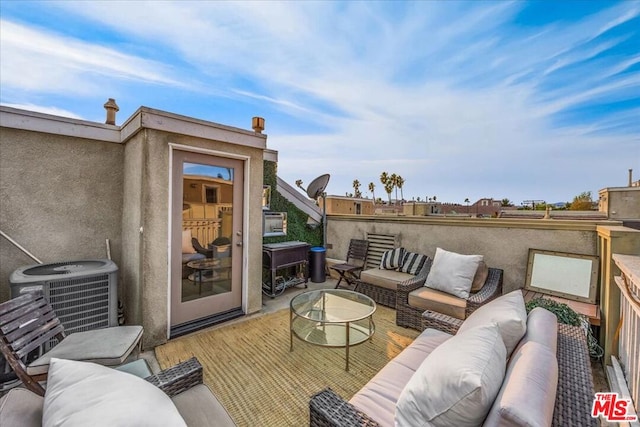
{"x":411,"y":317}
{"x":178,"y":378}
{"x":574,"y":393}
{"x":388,"y":297}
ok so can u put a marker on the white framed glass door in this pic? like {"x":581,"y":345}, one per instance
{"x":207,"y":233}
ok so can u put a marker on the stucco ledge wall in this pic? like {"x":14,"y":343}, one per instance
{"x":504,"y":243}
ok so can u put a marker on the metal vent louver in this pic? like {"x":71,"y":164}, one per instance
{"x":84,"y":294}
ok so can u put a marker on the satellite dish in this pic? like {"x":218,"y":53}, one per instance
{"x":317,"y":186}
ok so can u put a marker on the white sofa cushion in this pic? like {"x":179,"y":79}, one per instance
{"x":85,"y":394}
{"x":453,"y":273}
{"x":378,"y":398}
{"x":508,"y":312}
{"x":21,"y":407}
{"x":457,"y":383}
{"x":187,"y":246}
{"x":527,"y":397}
{"x":388,"y":279}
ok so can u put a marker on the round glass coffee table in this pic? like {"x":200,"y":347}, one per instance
{"x":332,"y":318}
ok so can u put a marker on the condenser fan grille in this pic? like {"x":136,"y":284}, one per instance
{"x":64,"y":268}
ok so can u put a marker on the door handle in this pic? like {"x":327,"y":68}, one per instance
{"x":239,"y":243}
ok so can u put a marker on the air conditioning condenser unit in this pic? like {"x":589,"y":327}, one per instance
{"x":83,"y":294}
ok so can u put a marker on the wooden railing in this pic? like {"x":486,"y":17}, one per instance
{"x":204,"y":220}
{"x":628,"y":332}
{"x":205,"y":230}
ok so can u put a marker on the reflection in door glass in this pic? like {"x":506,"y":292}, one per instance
{"x":207,"y":213}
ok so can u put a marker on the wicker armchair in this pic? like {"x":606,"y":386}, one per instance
{"x":388,"y":297}
{"x":573,"y":397}
{"x":411,"y":317}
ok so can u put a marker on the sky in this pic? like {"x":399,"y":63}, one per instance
{"x":525,"y":100}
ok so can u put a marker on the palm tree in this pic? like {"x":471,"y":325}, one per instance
{"x":394,"y":181}
{"x":399,"y":184}
{"x":372,"y":188}
{"x":388,"y":187}
{"x":467,"y":202}
{"x":384,"y":177}
{"x":356,"y":188}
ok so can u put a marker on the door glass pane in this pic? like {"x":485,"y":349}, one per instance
{"x":207,"y":216}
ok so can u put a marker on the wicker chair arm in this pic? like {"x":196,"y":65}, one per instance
{"x":417,"y":281}
{"x":178,"y":378}
{"x":326,"y":409}
{"x":441,"y":322}
{"x":492,"y":288}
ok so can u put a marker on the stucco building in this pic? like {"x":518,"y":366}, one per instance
{"x":67,"y":186}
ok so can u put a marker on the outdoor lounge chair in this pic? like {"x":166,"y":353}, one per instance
{"x":356,"y":259}
{"x":28,"y":322}
{"x":411,"y":317}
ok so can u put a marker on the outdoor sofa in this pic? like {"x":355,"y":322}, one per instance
{"x":182,"y":385}
{"x":401,"y":285}
{"x":519,"y":370}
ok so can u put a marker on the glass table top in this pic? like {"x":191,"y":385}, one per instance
{"x":333,"y":306}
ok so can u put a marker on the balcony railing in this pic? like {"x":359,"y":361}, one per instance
{"x":629,"y":325}
{"x":205,"y":220}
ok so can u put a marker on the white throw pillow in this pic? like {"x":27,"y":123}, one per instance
{"x":86,"y":394}
{"x":508,"y":312}
{"x":187,"y":246}
{"x":453,"y":273}
{"x":457,"y":383}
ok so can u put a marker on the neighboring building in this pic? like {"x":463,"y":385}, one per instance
{"x":486,"y":207}
{"x":349,"y":205}
{"x":621,"y":203}
{"x":421,"y":208}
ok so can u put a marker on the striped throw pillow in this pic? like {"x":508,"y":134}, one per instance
{"x":413,"y":263}
{"x":392,"y":260}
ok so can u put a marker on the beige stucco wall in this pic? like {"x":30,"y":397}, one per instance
{"x":60,"y":198}
{"x":152,"y":160}
{"x":131,"y":286}
{"x":504,"y":243}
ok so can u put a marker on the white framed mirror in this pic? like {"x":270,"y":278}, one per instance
{"x":567,"y":275}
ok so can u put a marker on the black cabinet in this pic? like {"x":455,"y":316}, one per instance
{"x":281,"y":256}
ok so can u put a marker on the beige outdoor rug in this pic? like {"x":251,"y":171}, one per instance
{"x":250,"y":369}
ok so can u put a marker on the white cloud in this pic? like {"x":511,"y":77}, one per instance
{"x":453,"y":96}
{"x":55,"y":111}
{"x":46,"y":62}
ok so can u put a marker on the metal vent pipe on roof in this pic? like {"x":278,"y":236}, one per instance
{"x":112,"y":108}
{"x":257,"y":123}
